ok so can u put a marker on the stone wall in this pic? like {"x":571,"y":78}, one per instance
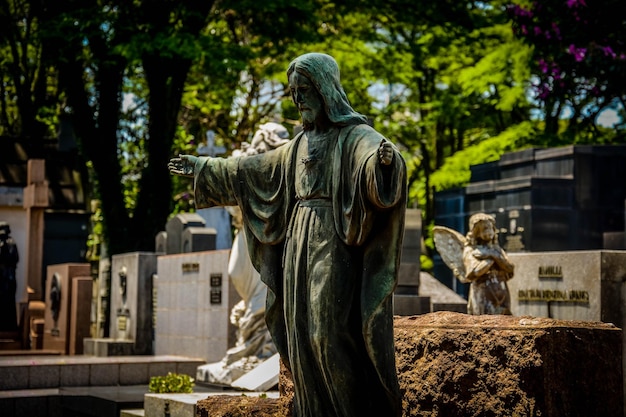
{"x":454,"y":364}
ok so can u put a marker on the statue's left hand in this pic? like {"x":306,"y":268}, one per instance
{"x":183,"y":165}
{"x":385,"y":152}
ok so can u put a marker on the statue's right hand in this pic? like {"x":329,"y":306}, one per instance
{"x":183,"y":165}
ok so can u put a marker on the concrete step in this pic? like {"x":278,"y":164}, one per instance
{"x":37,"y":372}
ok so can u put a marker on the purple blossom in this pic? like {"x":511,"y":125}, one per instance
{"x":576,"y":3}
{"x":608,"y":51}
{"x":519,"y":11}
{"x":579,"y":53}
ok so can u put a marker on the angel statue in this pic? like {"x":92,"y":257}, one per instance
{"x":479,"y":260}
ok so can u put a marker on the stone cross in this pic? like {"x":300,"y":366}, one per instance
{"x":210,"y":149}
{"x":35,"y":203}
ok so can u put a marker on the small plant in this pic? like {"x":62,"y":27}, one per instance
{"x":171,"y":383}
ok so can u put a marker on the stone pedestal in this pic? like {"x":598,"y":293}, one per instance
{"x":68,"y":306}
{"x":455,"y":364}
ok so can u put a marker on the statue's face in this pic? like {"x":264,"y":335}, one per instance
{"x":306,"y":98}
{"x":485,"y":231}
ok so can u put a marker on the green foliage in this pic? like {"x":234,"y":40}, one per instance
{"x":171,"y":383}
{"x":455,"y":172}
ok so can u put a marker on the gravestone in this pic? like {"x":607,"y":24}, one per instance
{"x":131,"y":309}
{"x":198,"y":239}
{"x":193,"y":304}
{"x":571,"y":285}
{"x":131,"y":299}
{"x":174,"y":230}
{"x":160,"y":242}
{"x":218,"y":219}
{"x":406,"y":298}
{"x":68,"y":306}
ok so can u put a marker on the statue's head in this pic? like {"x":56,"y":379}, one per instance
{"x":323,"y":72}
{"x":269,"y":136}
{"x":480,"y":217}
{"x":5,"y":230}
{"x":477,"y":220}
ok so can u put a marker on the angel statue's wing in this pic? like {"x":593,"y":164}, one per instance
{"x":449,"y":244}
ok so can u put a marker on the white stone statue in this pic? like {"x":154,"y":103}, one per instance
{"x":479,"y":260}
{"x":254,"y":342}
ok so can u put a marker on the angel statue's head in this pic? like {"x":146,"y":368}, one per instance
{"x":482,"y":229}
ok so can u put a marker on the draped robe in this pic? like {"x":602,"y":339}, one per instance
{"x":327,"y":244}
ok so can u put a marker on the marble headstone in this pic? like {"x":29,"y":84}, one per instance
{"x":194,"y":298}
